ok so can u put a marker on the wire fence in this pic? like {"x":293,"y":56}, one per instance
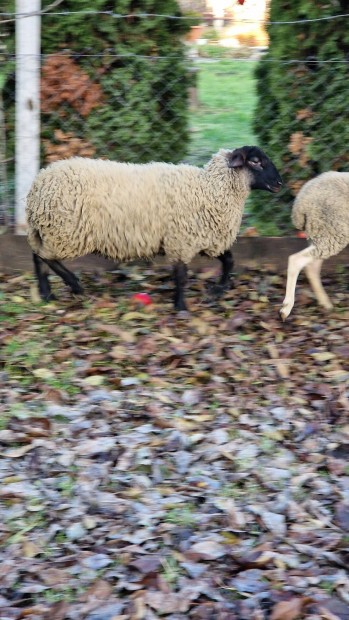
{"x":142,"y":107}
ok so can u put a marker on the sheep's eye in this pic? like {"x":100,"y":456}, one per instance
{"x":255,"y":162}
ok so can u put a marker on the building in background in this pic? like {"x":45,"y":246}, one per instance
{"x":235,"y":24}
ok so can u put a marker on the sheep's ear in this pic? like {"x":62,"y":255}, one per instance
{"x":236,"y":158}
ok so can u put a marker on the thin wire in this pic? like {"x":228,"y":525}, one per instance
{"x":107,"y":54}
{"x":33,"y":13}
{"x":173,"y":17}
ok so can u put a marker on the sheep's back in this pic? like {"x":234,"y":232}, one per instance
{"x":321,"y":208}
{"x":147,"y":203}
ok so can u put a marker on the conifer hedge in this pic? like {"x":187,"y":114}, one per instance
{"x":303,"y":90}
{"x":115,"y":88}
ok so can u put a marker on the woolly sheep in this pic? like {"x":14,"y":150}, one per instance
{"x":131,"y":211}
{"x":321,"y":209}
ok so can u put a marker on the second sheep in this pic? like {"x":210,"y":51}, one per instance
{"x":321,"y":209}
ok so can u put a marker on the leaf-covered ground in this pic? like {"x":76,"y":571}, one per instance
{"x":159,"y":466}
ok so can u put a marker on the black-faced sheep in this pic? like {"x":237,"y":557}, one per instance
{"x":321,"y":209}
{"x":131,"y":211}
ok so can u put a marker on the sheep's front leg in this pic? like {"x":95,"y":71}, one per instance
{"x":227,"y":266}
{"x":180,"y":273}
{"x":225,"y":282}
{"x":296,"y":263}
{"x":313,"y":271}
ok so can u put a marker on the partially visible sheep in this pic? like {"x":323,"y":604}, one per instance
{"x":321,"y":209}
{"x":129,"y":211}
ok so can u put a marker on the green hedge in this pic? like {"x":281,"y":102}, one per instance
{"x":133,"y":90}
{"x":303,"y":90}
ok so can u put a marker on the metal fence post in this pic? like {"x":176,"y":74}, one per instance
{"x":27,"y":154}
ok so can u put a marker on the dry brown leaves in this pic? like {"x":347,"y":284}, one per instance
{"x":63,"y":81}
{"x":158,"y":467}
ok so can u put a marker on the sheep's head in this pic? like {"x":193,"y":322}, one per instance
{"x":263,"y":174}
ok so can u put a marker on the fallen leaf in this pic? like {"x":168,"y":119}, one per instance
{"x":54,"y":576}
{"x":342,"y":515}
{"x":16,"y":453}
{"x":289,"y":610}
{"x":43,"y":373}
{"x":207,"y":550}
{"x":334,"y":609}
{"x":100,"y":590}
{"x":323,"y":356}
{"x":147,"y":564}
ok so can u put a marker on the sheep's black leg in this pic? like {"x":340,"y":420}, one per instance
{"x":227,"y":265}
{"x":180,"y":279}
{"x":41,"y":272}
{"x":225,"y":282}
{"x":68,"y":277}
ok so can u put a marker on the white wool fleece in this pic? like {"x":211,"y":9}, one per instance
{"x":129,"y":211}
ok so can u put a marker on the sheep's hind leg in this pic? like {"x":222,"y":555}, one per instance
{"x":68,"y":277}
{"x":41,"y":273}
{"x":180,"y":272}
{"x":313,"y":271}
{"x":296,"y":262}
{"x":225,"y":281}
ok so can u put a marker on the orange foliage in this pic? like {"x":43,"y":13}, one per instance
{"x":304,"y":114}
{"x":63,"y":81}
{"x":69,"y":146}
{"x":298,"y":146}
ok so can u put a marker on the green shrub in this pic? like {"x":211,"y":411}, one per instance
{"x":303,"y":89}
{"x":115,"y":88}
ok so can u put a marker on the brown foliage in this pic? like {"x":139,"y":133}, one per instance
{"x":304,"y":114}
{"x":298,"y":146}
{"x":67,"y":145}
{"x":63,"y":81}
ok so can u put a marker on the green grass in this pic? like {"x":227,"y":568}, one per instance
{"x":183,"y":516}
{"x":227,"y":100}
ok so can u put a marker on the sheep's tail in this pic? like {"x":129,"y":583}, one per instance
{"x":35,"y":240}
{"x":299,"y":219}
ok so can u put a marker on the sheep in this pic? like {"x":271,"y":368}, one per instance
{"x":129,"y":211}
{"x":321,"y":209}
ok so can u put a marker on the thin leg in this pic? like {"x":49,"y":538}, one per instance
{"x":227,"y":265}
{"x":296,"y":263}
{"x":41,"y":273}
{"x":180,"y":272}
{"x":313,"y":271}
{"x":224,"y":283}
{"x":68,"y":277}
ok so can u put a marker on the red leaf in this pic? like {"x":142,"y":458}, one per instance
{"x":142,"y":298}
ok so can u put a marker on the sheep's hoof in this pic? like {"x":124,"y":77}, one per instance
{"x":183,"y":314}
{"x":48,"y":298}
{"x":284,"y":313}
{"x":327,"y":307}
{"x":77,"y":289}
{"x":180,"y":306}
{"x":218,"y":290}
{"x":78,"y":294}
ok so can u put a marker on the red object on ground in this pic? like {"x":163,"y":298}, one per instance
{"x":302,"y":235}
{"x":241,"y":1}
{"x":142,"y":298}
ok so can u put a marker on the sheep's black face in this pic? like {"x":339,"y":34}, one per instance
{"x":264,"y":175}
